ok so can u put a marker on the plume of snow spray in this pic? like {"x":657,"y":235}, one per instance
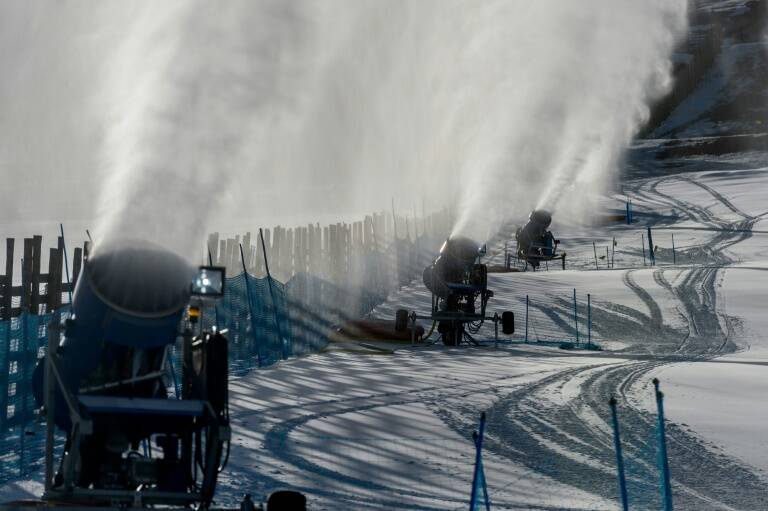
{"x":332,"y":108}
{"x":593,"y":69}
{"x":189,"y":89}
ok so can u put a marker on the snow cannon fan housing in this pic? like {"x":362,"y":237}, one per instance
{"x":133,"y":296}
{"x":456,"y":271}
{"x":539,"y":221}
{"x":127,"y":298}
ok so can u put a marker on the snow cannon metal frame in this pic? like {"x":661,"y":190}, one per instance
{"x":106,"y":386}
{"x":458,"y":282}
{"x":535,"y":243}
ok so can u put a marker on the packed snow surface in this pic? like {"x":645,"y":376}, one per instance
{"x":390,"y":428}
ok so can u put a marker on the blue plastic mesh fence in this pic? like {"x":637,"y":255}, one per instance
{"x":267,"y":321}
{"x":22,"y":342}
{"x":255,"y":313}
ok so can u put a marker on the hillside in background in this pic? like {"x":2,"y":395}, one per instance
{"x":719,"y":102}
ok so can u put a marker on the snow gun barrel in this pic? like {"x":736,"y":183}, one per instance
{"x":454,"y":263}
{"x":129,"y":298}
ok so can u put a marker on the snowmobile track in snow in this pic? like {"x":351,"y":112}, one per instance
{"x":571,"y":440}
{"x":568,"y":437}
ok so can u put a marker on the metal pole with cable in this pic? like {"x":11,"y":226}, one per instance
{"x":66,"y":262}
{"x":271,"y":292}
{"x":250,"y":307}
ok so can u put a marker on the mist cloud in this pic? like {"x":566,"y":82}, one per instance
{"x":188,"y":115}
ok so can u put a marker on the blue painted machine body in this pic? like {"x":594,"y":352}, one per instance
{"x":128,"y":301}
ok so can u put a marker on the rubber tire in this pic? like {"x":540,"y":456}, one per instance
{"x":286,"y":500}
{"x":508,"y":322}
{"x":401,"y":320}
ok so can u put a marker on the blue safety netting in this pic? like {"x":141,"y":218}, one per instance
{"x":255,"y":313}
{"x":22,"y":440}
{"x":267,"y":321}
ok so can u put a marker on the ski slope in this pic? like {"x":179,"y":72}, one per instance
{"x":378,"y":429}
{"x":392,"y":431}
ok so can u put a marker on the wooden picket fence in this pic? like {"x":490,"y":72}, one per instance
{"x":336,"y":252}
{"x":36,"y":292}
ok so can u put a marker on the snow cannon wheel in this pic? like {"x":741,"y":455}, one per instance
{"x":401,"y":320}
{"x":286,"y":500}
{"x":508,"y":322}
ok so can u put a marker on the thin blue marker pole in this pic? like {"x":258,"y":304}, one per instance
{"x":619,"y":456}
{"x":666,"y":485}
{"x":651,"y":253}
{"x":526,"y":318}
{"x":642,"y":242}
{"x":674,"y":254}
{"x":589,"y":319}
{"x":478,"y":453}
{"x":629,"y":215}
{"x":575,"y":316}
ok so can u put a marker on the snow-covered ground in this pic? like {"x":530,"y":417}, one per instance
{"x":392,"y":431}
{"x":378,"y":429}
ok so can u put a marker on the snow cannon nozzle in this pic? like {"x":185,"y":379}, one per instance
{"x":456,"y":264}
{"x":540,"y":217}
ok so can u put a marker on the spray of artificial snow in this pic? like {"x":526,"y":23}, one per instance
{"x":189,"y":92}
{"x":256,"y":111}
{"x":570,"y":109}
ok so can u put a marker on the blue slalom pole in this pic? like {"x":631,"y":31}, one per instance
{"x":478,"y":467}
{"x":674,"y":254}
{"x":619,"y":456}
{"x":575,"y":316}
{"x":526,"y":318}
{"x":651,"y":253}
{"x":629,"y":215}
{"x":666,"y":485}
{"x":589,"y":320}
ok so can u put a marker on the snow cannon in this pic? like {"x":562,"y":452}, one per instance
{"x":107,"y":384}
{"x":458,"y":281}
{"x":535,"y":243}
{"x":128,"y":299}
{"x":454,"y":271}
